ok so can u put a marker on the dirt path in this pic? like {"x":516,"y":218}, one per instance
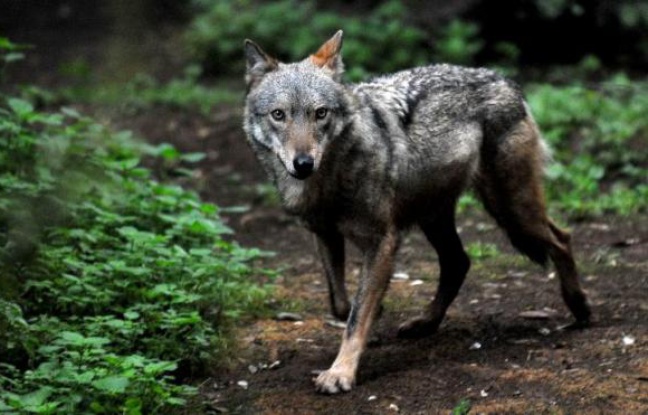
{"x":487,"y":352}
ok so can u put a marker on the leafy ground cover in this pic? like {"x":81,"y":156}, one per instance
{"x":116,"y":288}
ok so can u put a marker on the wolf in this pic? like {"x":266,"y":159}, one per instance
{"x":365,"y":162}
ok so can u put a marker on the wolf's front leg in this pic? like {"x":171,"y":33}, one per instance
{"x":331,"y":250}
{"x":377,"y":269}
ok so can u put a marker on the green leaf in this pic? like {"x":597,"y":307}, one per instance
{"x":168,"y":152}
{"x":193,"y":157}
{"x":112,"y":384}
{"x":70,"y":112}
{"x":131,"y":315}
{"x":158,"y":368}
{"x":71,"y":337}
{"x":20,"y":107}
{"x":14,"y":56}
{"x":133,"y":406}
{"x":37,"y":398}
{"x":96,"y":341}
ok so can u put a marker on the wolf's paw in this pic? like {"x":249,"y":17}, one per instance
{"x":576,"y":325}
{"x":334,"y":380}
{"x":418,"y":327}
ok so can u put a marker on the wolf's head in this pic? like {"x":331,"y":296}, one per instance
{"x":295,"y":110}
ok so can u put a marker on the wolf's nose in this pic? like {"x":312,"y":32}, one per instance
{"x":303,"y":164}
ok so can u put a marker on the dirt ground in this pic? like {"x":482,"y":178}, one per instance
{"x":500,"y":347}
{"x":488,"y":351}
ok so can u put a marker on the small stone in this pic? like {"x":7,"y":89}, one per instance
{"x":628,"y":340}
{"x":372,"y":398}
{"x":544,"y":331}
{"x":416,"y":282}
{"x":551,"y":275}
{"x":335,"y":323}
{"x":483,"y":393}
{"x":536,"y":314}
{"x":243,"y":384}
{"x":600,"y":226}
{"x":253,"y":369}
{"x":394,"y":407}
{"x":274,"y":364}
{"x":475,"y":346}
{"x":400,"y":276}
{"x":283,"y":316}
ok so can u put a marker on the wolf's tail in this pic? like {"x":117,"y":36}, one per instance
{"x":509,"y":184}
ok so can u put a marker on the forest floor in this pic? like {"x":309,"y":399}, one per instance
{"x":488,"y":351}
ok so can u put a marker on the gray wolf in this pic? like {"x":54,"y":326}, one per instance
{"x":365,"y":162}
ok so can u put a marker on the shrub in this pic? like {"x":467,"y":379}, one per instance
{"x":599,"y":138}
{"x":144,"y":91}
{"x":114,"y":286}
{"x":458,"y":43}
{"x":378,"y":42}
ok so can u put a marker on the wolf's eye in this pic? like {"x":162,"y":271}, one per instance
{"x":278,"y":115}
{"x":321,"y":113}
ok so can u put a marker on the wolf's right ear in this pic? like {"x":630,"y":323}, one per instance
{"x":259,"y":63}
{"x":328,"y":56}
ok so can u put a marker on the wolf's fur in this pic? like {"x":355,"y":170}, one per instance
{"x":391,"y":153}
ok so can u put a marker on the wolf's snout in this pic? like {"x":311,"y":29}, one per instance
{"x":303,"y":164}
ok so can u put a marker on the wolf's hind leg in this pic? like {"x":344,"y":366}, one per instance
{"x":331,"y":250}
{"x":561,"y":255}
{"x":454,"y":264}
{"x":510,"y":185}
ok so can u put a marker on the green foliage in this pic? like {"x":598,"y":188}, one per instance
{"x":462,"y":408}
{"x":599,"y":138}
{"x":143,"y":91}
{"x":378,"y":42}
{"x":9,"y":53}
{"x":185,"y":92}
{"x":112,"y":284}
{"x":629,"y":13}
{"x":458,"y":43}
{"x":479,"y":250}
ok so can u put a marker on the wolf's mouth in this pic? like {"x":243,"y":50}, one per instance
{"x":300,"y":175}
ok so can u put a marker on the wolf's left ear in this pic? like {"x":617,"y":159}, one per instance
{"x":328,"y":56}
{"x":259,"y":63}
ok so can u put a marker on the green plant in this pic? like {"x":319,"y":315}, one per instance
{"x":9,"y":53}
{"x":382,"y":41}
{"x":462,"y":408}
{"x":598,"y":137}
{"x":115,"y":286}
{"x":185,"y":92}
{"x":480,"y":250}
{"x":458,"y":43}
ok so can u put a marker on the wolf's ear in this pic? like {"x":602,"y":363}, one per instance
{"x":259,"y":63}
{"x":328,"y":56}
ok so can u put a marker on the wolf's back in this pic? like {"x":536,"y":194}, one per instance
{"x":446,"y":96}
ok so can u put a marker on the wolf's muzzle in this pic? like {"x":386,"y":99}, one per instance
{"x":303,"y":165}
